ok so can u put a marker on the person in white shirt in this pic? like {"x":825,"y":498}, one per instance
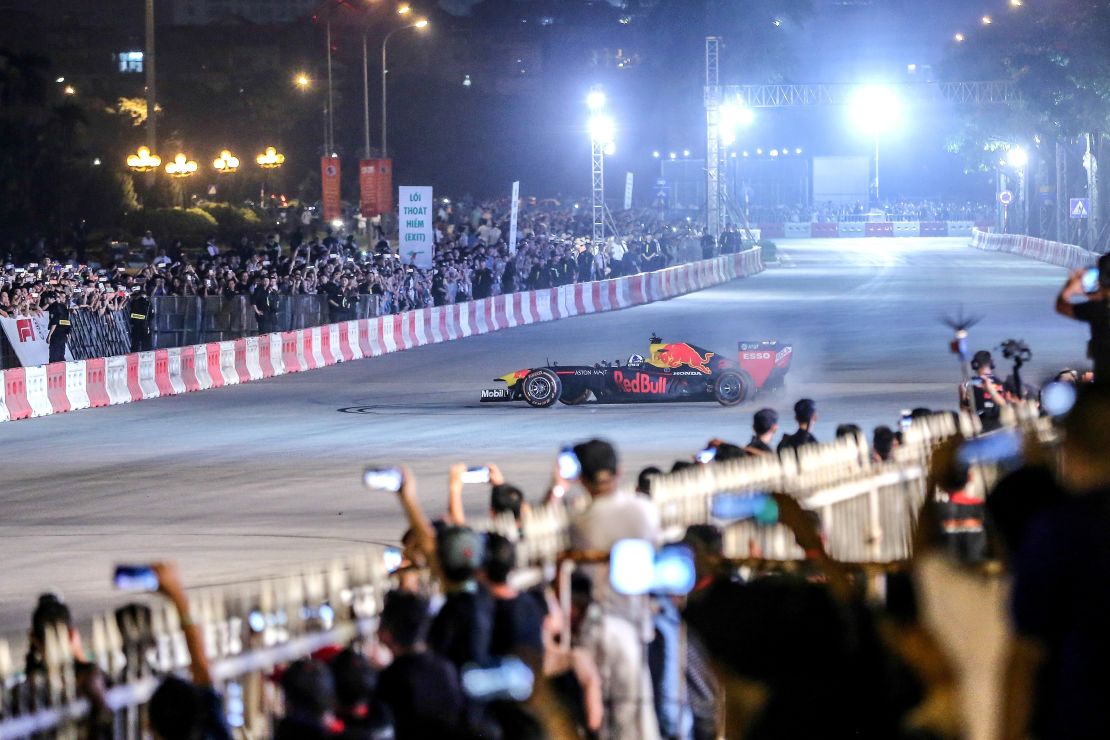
{"x":149,"y":245}
{"x":616,"y":514}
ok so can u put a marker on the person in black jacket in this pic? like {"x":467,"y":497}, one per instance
{"x":59,"y":327}
{"x":805,"y":413}
{"x":140,"y":322}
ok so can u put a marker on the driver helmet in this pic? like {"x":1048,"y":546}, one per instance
{"x":635,"y":360}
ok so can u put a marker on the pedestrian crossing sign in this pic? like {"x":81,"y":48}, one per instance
{"x":1080,"y":207}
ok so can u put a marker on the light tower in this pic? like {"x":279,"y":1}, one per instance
{"x":714,"y":214}
{"x":602,"y":132}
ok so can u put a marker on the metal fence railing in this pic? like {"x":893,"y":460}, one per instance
{"x":98,"y":334}
{"x":181,"y":320}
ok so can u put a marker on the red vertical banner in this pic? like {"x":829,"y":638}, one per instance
{"x":375,"y":179}
{"x":329,"y":179}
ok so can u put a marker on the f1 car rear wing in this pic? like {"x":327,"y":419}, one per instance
{"x":765,"y":361}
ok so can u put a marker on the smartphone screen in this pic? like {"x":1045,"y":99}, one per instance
{"x":476,"y":475}
{"x":906,"y":420}
{"x":509,"y":680}
{"x":706,"y":455}
{"x":674,"y":570}
{"x":738,"y":506}
{"x":1090,"y":280}
{"x":569,"y":467}
{"x":135,"y":578}
{"x":383,"y":479}
{"x":392,"y":558}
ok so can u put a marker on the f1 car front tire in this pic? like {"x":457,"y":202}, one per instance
{"x":731,"y":388}
{"x":541,"y":388}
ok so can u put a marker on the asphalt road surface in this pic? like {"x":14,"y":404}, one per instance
{"x":253,"y":479}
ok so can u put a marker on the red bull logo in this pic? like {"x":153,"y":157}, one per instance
{"x":679,"y":355}
{"x":640,"y":383}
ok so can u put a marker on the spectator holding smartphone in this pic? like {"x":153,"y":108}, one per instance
{"x":1095,"y":312}
{"x":179,"y":708}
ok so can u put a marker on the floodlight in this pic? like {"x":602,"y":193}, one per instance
{"x":876,"y":109}
{"x":602,"y":128}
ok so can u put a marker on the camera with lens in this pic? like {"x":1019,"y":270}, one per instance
{"x":1016,"y":350}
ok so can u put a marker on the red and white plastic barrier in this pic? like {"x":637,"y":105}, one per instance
{"x":1054,"y":253}
{"x":68,"y":386}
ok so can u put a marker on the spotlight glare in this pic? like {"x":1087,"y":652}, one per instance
{"x":602,"y":128}
{"x":876,"y":110}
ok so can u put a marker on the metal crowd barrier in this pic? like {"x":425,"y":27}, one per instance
{"x":98,"y":335}
{"x":248,"y":629}
{"x":181,"y":320}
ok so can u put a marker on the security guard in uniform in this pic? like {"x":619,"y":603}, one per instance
{"x":264,"y":303}
{"x":60,"y":325}
{"x":140,"y":322}
{"x":983,"y":393}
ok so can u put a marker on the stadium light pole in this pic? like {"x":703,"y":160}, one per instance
{"x":732,"y":116}
{"x":1018,"y":158}
{"x":422,"y":23}
{"x":876,"y":110}
{"x":601,"y":130}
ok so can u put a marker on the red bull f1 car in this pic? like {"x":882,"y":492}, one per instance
{"x":673,"y":371}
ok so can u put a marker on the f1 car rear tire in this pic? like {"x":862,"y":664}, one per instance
{"x":731,"y":388}
{"x":541,"y":388}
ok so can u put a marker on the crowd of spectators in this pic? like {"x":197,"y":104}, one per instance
{"x":897,"y":210}
{"x":472,"y":260}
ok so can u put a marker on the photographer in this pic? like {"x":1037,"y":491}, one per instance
{"x":983,"y":393}
{"x":1095,"y":311}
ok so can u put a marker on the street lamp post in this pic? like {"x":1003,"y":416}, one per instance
{"x":366,"y":94}
{"x":271,"y":159}
{"x":148,"y":67}
{"x":329,"y":131}
{"x":226,"y":163}
{"x":422,"y":23}
{"x":143,"y":160}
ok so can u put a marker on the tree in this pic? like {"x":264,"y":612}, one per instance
{"x":48,"y":181}
{"x":1055,"y":52}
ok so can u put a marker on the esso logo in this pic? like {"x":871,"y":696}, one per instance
{"x":757,"y":356}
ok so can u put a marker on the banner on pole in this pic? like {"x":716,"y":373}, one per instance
{"x":375,"y":179}
{"x":513,"y":215}
{"x":628,"y":191}
{"x":416,"y":212}
{"x":329,"y":181}
{"x":27,"y":335}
